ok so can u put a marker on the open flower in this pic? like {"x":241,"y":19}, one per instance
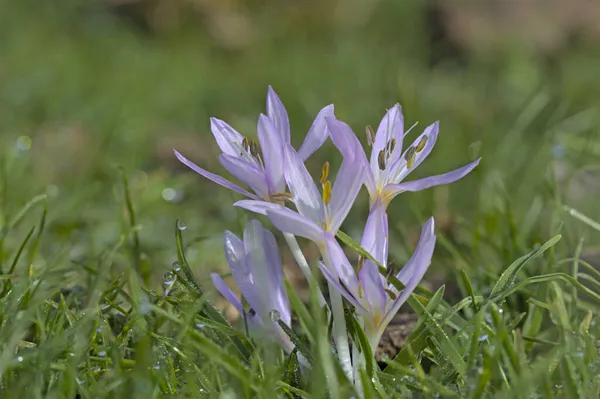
{"x":260,"y":165}
{"x":256,"y":268}
{"x":368,"y":291}
{"x":389,"y":165}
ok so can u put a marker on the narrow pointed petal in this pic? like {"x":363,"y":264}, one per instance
{"x":340,"y":266}
{"x":228,"y":139}
{"x":413,"y":272}
{"x":262,"y":258}
{"x":306,"y":195}
{"x":390,"y":127}
{"x":373,"y":288}
{"x":226,"y":292}
{"x":401,"y":169}
{"x":348,"y":182}
{"x":246,"y":172}
{"x":276,"y":111}
{"x":259,"y":206}
{"x":273,"y":156}
{"x":348,"y":144}
{"x":334,"y":282}
{"x":375,"y":235}
{"x":292,"y":222}
{"x":215,"y":178}
{"x":235,"y":254}
{"x":391,"y":190}
{"x":317,"y":134}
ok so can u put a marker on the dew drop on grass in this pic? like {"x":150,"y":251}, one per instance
{"x":176,"y":267}
{"x":168,"y":277}
{"x":102,"y":354}
{"x":274,"y":315}
{"x":483,"y":338}
{"x":181,"y":225}
{"x":20,"y":358}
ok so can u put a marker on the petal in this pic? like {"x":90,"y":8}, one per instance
{"x":259,"y":206}
{"x":246,"y":172}
{"x":272,"y":151}
{"x":336,"y":259}
{"x":373,"y":288}
{"x":226,"y":292}
{"x":413,"y":271}
{"x":228,"y":139}
{"x":240,"y":270}
{"x":347,"y":184}
{"x":263,"y":260}
{"x":288,"y":221}
{"x":276,"y":111}
{"x":211,"y":176}
{"x":375,"y":235}
{"x":391,"y":190}
{"x":317,"y":133}
{"x":390,"y":127}
{"x":306,"y":195}
{"x":400,"y":168}
{"x":334,"y":282}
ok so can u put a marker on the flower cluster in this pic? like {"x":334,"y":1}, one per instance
{"x":271,"y":167}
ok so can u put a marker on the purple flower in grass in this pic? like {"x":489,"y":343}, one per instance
{"x":261,"y":165}
{"x":389,"y":165}
{"x":376,"y":300}
{"x":318,"y":215}
{"x":256,"y":268}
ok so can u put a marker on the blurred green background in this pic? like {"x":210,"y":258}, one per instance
{"x":86,"y":87}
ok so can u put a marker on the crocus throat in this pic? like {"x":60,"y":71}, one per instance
{"x":326,"y":184}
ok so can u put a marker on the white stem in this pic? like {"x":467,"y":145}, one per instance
{"x":358,"y":362}
{"x":339,"y":332}
{"x":303,"y":264}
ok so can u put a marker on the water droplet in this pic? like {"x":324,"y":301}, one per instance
{"x":500,"y":311}
{"x":181,"y":225}
{"x":483,"y":338}
{"x":102,"y":354}
{"x":557,"y":386}
{"x":176,"y":267}
{"x":23,"y":143}
{"x":20,"y":359}
{"x":168,"y":276}
{"x":172,"y":195}
{"x":274,"y":315}
{"x":200,"y":325}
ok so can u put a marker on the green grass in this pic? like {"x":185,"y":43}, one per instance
{"x":90,"y":108}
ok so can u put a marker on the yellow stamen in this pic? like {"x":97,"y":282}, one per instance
{"x":370,"y":135}
{"x":381,"y":160}
{"x":391,"y":294}
{"x":410,"y":157}
{"x":246,"y":143}
{"x":326,"y":192}
{"x":390,"y":146}
{"x":361,"y":263}
{"x":254,"y":149}
{"x":422,"y":143}
{"x":282,"y":197}
{"x":324,"y":172}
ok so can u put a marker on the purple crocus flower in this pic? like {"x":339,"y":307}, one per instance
{"x":256,"y":268}
{"x":368,"y":291}
{"x":318,"y":215}
{"x":262,"y":171}
{"x":389,"y":166}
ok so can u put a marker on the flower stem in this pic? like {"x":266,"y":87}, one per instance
{"x":339,"y":332}
{"x":303,"y":264}
{"x":358,"y":362}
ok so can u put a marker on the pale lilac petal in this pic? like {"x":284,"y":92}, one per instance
{"x":226,"y":292}
{"x":336,"y":258}
{"x":228,"y":139}
{"x":288,"y":221}
{"x":413,"y":272}
{"x":400,"y":168}
{"x":273,"y":156}
{"x":246,"y":172}
{"x":334,"y":283}
{"x":348,"y":182}
{"x":215,"y":178}
{"x":276,"y":111}
{"x":306,"y":195}
{"x":235,"y":255}
{"x":373,"y":288}
{"x":375,"y":235}
{"x":262,"y":258}
{"x":390,"y":127}
{"x":317,"y":134}
{"x":259,"y":206}
{"x":348,"y":144}
{"x":391,"y":190}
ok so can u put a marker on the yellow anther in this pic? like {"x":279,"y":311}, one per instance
{"x":410,"y":156}
{"x":361,"y":263}
{"x":254,"y":149}
{"x":381,"y":159}
{"x":324,"y":172}
{"x":391,"y":294}
{"x":282,"y":197}
{"x":326,"y":192}
{"x":421,"y":143}
{"x":246,"y":143}
{"x":370,"y":134}
{"x":390,"y":146}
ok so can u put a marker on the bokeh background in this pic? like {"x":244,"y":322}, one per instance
{"x":87,"y":88}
